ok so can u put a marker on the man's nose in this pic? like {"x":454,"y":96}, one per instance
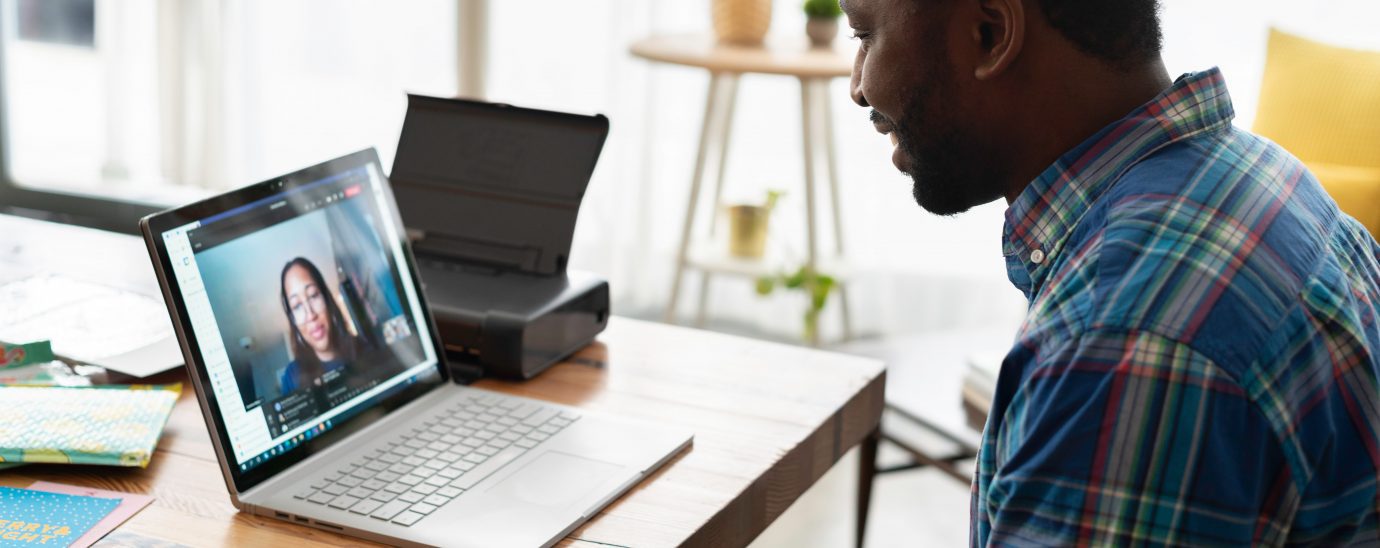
{"x":855,"y":83}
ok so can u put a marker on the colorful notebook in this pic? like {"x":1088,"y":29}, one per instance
{"x":36,"y":518}
{"x":130,"y":504}
{"x":110,"y":425}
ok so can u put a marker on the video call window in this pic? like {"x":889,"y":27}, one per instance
{"x":308,"y":301}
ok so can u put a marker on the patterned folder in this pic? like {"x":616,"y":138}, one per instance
{"x":111,"y":425}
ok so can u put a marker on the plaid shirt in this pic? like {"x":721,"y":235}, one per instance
{"x":1198,"y":366}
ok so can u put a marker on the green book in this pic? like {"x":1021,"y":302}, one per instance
{"x":109,"y":425}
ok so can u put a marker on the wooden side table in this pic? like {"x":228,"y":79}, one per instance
{"x":814,"y":68}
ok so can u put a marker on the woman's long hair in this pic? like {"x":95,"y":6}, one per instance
{"x":339,"y":336}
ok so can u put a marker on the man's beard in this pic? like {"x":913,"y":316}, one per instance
{"x":951,"y":170}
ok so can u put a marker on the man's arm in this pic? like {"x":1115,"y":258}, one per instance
{"x":1119,"y":437}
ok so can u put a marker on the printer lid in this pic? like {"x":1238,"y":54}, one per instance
{"x":494,"y":184}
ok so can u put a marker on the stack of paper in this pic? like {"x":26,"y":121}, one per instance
{"x":111,"y":425}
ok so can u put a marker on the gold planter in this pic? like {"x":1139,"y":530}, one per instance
{"x":741,"y":21}
{"x":747,"y":231}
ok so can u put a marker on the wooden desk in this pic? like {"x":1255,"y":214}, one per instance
{"x":769,"y":420}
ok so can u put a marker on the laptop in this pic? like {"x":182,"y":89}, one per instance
{"x":324,"y":384}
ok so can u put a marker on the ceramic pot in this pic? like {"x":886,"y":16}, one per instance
{"x":747,"y":230}
{"x":742,"y":22}
{"x":822,"y":31}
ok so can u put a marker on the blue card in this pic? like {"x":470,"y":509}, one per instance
{"x":36,"y":518}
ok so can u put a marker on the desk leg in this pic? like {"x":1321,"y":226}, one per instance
{"x":712,"y":107}
{"x":725,"y":130}
{"x":867,"y":471}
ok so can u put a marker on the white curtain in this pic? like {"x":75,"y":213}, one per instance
{"x":238,"y":91}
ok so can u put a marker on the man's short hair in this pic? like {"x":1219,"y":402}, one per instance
{"x":1122,"y":33}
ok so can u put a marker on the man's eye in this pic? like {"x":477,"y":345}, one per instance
{"x":861,"y":35}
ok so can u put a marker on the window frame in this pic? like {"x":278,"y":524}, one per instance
{"x":122,"y":214}
{"x":106,"y":213}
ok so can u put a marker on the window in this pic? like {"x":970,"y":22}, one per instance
{"x":113,"y":109}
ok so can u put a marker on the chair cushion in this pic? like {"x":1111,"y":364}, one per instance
{"x":1321,"y":102}
{"x":1356,"y":190}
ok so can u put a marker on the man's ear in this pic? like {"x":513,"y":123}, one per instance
{"x":999,"y":35}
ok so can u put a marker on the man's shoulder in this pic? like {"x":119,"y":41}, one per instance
{"x":1208,"y":241}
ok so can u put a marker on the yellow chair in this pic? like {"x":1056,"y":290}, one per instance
{"x":1322,"y":103}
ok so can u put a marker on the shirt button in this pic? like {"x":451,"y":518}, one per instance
{"x":1037,"y":256}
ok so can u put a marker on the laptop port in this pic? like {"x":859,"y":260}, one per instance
{"x":331,"y":526}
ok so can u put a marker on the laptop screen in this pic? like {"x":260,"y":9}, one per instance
{"x":302,"y":307}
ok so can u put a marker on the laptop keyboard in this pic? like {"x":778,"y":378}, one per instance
{"x":438,"y":460}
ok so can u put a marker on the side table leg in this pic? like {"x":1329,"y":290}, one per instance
{"x":831,"y":164}
{"x":807,"y":112}
{"x":867,"y":471}
{"x":711,"y":109}
{"x":729,"y":95}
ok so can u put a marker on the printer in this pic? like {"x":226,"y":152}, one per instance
{"x":489,"y":194}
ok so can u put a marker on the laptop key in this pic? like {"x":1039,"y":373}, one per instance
{"x":425,"y":489}
{"x":526,"y":444}
{"x":335,"y":489}
{"x":366,"y":506}
{"x":423,"y":508}
{"x":523,"y":411}
{"x":397,"y":487}
{"x":450,"y":492}
{"x":305,"y":493}
{"x":373,"y":484}
{"x":350,"y":481}
{"x":540,"y":417}
{"x":487,"y":451}
{"x":360,"y":492}
{"x":407,"y":518}
{"x":449,"y":473}
{"x":384,"y":496}
{"x":436,"y":500}
{"x":410,"y":479}
{"x":437,"y":480}
{"x":377,"y":465}
{"x":490,"y":466}
{"x":321,"y":497}
{"x":392,"y":508}
{"x":387,"y":476}
{"x":426,"y":453}
{"x":411,"y":497}
{"x":343,"y":501}
{"x":400,"y":468}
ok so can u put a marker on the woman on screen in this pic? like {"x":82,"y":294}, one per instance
{"x":321,"y":343}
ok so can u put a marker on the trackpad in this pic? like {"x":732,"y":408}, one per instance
{"x":555,"y":480}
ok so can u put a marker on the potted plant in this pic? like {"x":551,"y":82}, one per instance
{"x":822,"y":25}
{"x":742,"y":22}
{"x":815,"y":284}
{"x":747,"y":227}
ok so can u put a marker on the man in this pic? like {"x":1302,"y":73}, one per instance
{"x":1199,"y":365}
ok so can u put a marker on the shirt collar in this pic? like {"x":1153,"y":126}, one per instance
{"x":1040,"y":220}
